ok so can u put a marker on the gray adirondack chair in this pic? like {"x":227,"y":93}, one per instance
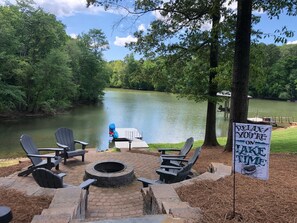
{"x":65,"y":140}
{"x":46,"y":178}
{"x":38,"y":160}
{"x":182,"y":153}
{"x":172,"y":174}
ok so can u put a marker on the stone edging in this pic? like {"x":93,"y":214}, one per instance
{"x":163,"y":199}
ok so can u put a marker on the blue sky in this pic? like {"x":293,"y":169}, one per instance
{"x":79,"y":19}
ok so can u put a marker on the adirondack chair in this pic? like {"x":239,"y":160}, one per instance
{"x":65,"y":140}
{"x":46,"y":178}
{"x":182,"y":162}
{"x":47,"y":161}
{"x":172,"y":174}
{"x":182,"y":153}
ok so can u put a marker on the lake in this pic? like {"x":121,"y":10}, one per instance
{"x":160,"y":117}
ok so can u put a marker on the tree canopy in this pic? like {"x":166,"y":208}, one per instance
{"x":41,"y":68}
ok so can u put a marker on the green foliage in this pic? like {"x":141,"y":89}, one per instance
{"x":10,"y":97}
{"x":282,"y":140}
{"x":41,"y":68}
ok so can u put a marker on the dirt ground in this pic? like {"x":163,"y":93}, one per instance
{"x":274,"y":200}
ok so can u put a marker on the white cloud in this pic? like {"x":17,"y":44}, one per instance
{"x":292,"y":42}
{"x":67,"y":7}
{"x":121,"y":41}
{"x":158,"y":15}
{"x":206,"y":25}
{"x":63,"y":8}
{"x":141,"y":27}
{"x":73,"y":35}
{"x":230,"y":5}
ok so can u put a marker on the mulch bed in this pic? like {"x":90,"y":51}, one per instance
{"x":23,"y":207}
{"x":274,"y":200}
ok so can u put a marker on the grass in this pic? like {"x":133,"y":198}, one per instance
{"x":283,"y":140}
{"x":9,"y":162}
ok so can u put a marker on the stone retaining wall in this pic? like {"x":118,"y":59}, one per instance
{"x":68,"y":204}
{"x":163,"y":199}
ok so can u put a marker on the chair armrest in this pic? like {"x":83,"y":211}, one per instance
{"x":62,"y":145}
{"x":42,"y":156}
{"x":86,"y":184}
{"x":50,"y":149}
{"x":174,"y":159}
{"x":146,"y":182}
{"x":165,"y":172}
{"x":163,"y":150}
{"x":81,"y":142}
{"x":173,"y":156}
{"x":166,"y":167}
{"x":56,"y":150}
{"x":61,"y":175}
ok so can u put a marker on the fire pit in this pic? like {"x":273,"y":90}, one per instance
{"x":111,"y":173}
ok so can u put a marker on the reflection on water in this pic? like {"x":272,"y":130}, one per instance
{"x":159,"y":116}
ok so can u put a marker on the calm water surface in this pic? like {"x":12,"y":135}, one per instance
{"x":159,"y":116}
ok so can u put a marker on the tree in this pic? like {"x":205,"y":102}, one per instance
{"x":241,"y":66}
{"x":42,"y":70}
{"x":182,"y":25}
{"x":91,"y":72}
{"x":95,"y":40}
{"x":117,"y":68}
{"x":239,"y":99}
{"x":54,"y":89}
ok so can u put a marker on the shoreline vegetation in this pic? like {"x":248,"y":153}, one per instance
{"x":13,"y":115}
{"x":283,"y":140}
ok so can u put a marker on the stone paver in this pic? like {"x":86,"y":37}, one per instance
{"x":103,"y":203}
{"x":126,"y":201}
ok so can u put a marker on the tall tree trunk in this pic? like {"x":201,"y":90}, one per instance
{"x":239,"y":98}
{"x":210,"y":129}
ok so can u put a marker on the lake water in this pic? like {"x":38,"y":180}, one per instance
{"x":160,"y":117}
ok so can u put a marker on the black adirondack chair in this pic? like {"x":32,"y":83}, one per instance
{"x":182,"y":153}
{"x":172,"y":174}
{"x":46,"y":178}
{"x":65,"y":140}
{"x":47,"y":161}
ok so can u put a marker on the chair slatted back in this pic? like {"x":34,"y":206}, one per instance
{"x":187,"y":146}
{"x":46,"y":178}
{"x":30,"y":148}
{"x":65,"y":137}
{"x":195,"y":156}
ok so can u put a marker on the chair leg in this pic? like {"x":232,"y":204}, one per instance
{"x":83,"y":158}
{"x":57,"y":167}
{"x":26,"y":172}
{"x":65,"y":160}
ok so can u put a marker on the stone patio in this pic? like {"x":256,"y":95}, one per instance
{"x":110,"y":203}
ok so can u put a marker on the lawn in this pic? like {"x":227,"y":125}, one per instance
{"x":282,"y":140}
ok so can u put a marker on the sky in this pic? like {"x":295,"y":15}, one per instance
{"x":79,"y":19}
